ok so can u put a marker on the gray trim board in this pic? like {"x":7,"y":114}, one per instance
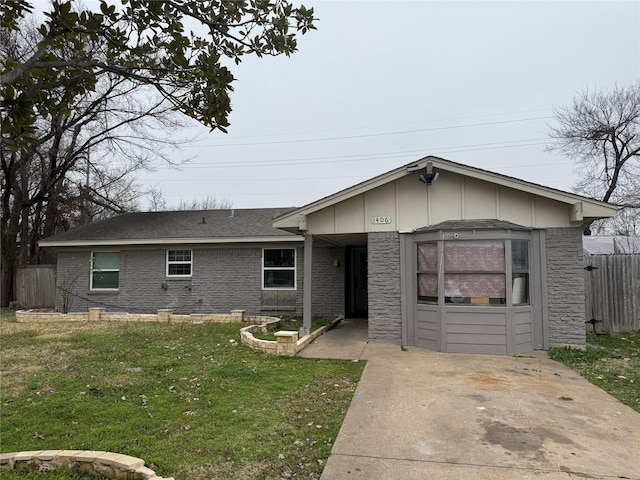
{"x":538,"y":291}
{"x":406,"y":285}
{"x":306,"y":285}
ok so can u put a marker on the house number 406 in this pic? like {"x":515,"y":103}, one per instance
{"x":381,"y":220}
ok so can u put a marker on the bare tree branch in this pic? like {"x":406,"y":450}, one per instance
{"x":601,"y":131}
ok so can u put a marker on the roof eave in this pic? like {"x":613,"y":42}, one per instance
{"x":596,"y":212}
{"x":170,"y":241}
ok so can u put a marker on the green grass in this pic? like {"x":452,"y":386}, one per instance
{"x":188,"y":399}
{"x":612,"y":362}
{"x":292,"y":324}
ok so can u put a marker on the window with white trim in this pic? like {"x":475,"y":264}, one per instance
{"x":279,"y":268}
{"x":179,"y":263}
{"x":105,"y":270}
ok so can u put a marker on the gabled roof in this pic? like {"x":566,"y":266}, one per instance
{"x":184,"y":227}
{"x":592,"y":209}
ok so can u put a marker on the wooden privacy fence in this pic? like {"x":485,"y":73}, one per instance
{"x":35,"y":286}
{"x":612,"y":292}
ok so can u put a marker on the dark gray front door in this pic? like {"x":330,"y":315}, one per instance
{"x":357,"y":288}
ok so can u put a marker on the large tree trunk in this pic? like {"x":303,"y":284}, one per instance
{"x":9,"y":224}
{"x":8,"y":256}
{"x":10,"y":229}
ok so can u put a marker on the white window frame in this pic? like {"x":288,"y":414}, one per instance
{"x":294,"y":268}
{"x":93,"y":270}
{"x":181,"y":262}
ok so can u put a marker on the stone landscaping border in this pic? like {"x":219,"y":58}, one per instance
{"x":163,"y":315}
{"x":102,"y":464}
{"x":287,"y":342}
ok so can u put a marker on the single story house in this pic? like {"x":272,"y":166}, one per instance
{"x":434,"y":254}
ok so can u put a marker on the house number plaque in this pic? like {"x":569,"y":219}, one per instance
{"x":381,"y":220}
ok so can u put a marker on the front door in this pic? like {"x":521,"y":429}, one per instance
{"x":356,"y":282}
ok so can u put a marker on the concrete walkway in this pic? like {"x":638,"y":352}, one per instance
{"x":424,"y":415}
{"x":346,"y":341}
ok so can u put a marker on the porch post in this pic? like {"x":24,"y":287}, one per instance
{"x":306,"y":286}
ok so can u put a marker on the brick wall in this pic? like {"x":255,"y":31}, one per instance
{"x":565,"y":286}
{"x":72,"y":281}
{"x":223,"y":279}
{"x":227,"y":278}
{"x":385,"y":309}
{"x":327,"y":299}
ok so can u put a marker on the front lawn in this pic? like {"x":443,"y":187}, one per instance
{"x":612,"y":362}
{"x":188,"y":399}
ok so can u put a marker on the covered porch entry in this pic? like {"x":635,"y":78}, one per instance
{"x":353,"y":285}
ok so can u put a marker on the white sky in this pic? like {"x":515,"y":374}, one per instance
{"x":381,"y":84}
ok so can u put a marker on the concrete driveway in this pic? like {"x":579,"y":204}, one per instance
{"x":423,"y":415}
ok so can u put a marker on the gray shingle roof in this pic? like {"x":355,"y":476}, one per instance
{"x":192,"y":224}
{"x":487,"y":224}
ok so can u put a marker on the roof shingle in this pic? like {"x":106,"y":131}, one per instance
{"x":184,"y":224}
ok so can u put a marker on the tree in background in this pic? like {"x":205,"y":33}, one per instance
{"x":159,"y":204}
{"x":88,"y":95}
{"x":601,"y":132}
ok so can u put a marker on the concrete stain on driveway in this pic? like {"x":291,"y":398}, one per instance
{"x":421,"y":415}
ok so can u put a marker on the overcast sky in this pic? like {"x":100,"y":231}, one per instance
{"x":381,"y":84}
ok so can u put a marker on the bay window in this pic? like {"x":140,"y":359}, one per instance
{"x":473,"y":272}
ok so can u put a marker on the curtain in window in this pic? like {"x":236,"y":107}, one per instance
{"x":474,"y":271}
